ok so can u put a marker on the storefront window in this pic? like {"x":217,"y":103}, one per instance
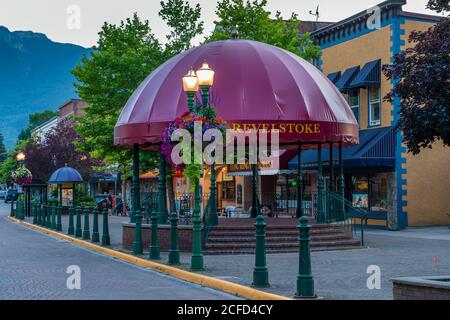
{"x":370,"y":192}
{"x":374,"y":106}
{"x":353,"y":101}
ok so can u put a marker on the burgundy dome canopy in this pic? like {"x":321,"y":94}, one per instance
{"x":256,"y":85}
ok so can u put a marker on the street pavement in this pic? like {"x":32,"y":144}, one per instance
{"x":34,"y":265}
{"x":337,"y":274}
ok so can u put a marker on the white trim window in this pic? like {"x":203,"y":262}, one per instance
{"x":374,"y":106}
{"x":353,"y":102}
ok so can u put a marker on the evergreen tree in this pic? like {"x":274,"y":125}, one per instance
{"x":3,"y":153}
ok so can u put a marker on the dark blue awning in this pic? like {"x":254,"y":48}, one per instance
{"x":334,"y":76}
{"x":348,"y":76}
{"x":369,"y":75}
{"x":375,"y":149}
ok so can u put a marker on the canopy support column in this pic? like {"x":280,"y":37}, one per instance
{"x":299,"y":182}
{"x":331,"y":189}
{"x":341,"y":184}
{"x":320,"y":205}
{"x":162,"y":212}
{"x":136,"y":202}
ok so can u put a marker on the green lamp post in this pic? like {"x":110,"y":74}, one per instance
{"x":205,"y":76}
{"x":190,"y":86}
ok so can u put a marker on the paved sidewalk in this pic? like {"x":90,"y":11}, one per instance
{"x":33,"y":266}
{"x":338,"y":274}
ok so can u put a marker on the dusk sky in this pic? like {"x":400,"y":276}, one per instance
{"x":50,"y":16}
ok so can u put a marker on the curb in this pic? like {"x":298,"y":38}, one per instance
{"x":222,"y":285}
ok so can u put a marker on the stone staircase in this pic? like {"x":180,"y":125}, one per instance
{"x":237,"y":236}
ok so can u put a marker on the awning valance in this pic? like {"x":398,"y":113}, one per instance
{"x":369,"y":75}
{"x":376,"y":149}
{"x":344,"y":82}
{"x":334,"y":76}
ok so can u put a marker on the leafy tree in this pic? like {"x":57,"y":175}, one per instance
{"x":185,"y":23}
{"x":422,"y":76}
{"x":34,"y":121}
{"x":3,"y":153}
{"x":438,"y":5}
{"x":124,"y":56}
{"x":56,"y":150}
{"x":253,"y":21}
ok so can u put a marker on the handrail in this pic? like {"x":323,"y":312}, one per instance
{"x":363,"y":214}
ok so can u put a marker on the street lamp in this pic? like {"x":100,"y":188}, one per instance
{"x":205,"y":77}
{"x":20,"y":157}
{"x":190,"y":86}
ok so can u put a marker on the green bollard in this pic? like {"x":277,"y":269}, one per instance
{"x":58,"y":218}
{"x":105,"y":235}
{"x":95,"y":234}
{"x":39,"y":215}
{"x":48,"y":213}
{"x":305,"y":281}
{"x":12,"y":214}
{"x":174,"y":252}
{"x":34,"y":213}
{"x":86,"y":232}
{"x":154,"y":246}
{"x":78,"y":231}
{"x":260,"y":273}
{"x":71,"y":229}
{"x":53,"y":209}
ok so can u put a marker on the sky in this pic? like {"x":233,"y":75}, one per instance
{"x":78,"y":21}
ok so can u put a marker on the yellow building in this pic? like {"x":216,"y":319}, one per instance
{"x":399,"y":189}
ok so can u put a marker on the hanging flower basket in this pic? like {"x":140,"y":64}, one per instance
{"x":21,"y":176}
{"x":207,"y":116}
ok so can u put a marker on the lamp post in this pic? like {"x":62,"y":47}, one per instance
{"x":205,"y":77}
{"x":20,"y":157}
{"x":190,"y":86}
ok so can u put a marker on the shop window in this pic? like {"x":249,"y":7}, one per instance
{"x":228,"y":190}
{"x":353,"y":101}
{"x":374,"y":106}
{"x":370,"y":192}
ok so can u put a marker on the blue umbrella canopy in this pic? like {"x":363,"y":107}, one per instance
{"x":66,"y":175}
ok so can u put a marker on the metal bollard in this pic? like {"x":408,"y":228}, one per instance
{"x":105,"y":236}
{"x":95,"y":234}
{"x":58,"y":218}
{"x":154,"y":246}
{"x":86,"y":232}
{"x":71,"y":229}
{"x":78,"y":231}
{"x":34,"y":213}
{"x":53,"y":217}
{"x":305,"y":281}
{"x":48,"y":214}
{"x":174,"y":252}
{"x":260,"y":273}
{"x":39,"y":214}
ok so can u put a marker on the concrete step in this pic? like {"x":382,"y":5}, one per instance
{"x":274,"y":245}
{"x":278,"y":250}
{"x":277,"y":238}
{"x":295,"y":233}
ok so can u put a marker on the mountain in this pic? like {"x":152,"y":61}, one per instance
{"x":34,"y":76}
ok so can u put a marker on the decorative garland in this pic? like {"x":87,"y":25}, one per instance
{"x":207,"y":116}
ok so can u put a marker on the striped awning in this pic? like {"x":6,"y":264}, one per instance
{"x":344,"y":82}
{"x":370,"y":75}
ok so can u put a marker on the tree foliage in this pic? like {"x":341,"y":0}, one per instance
{"x":45,"y":156}
{"x":422,"y":77}
{"x":3,"y":153}
{"x":439,"y":5}
{"x":124,"y":56}
{"x":253,"y":21}
{"x":35,"y":120}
